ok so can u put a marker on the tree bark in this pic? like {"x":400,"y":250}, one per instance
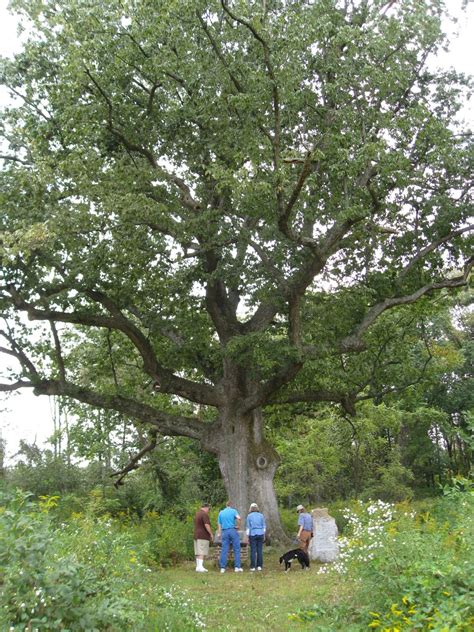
{"x":248,"y":464}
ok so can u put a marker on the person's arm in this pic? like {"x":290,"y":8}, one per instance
{"x":300,"y":523}
{"x":207,"y":526}
{"x":264,"y":527}
{"x":237,"y":520}
{"x":219,"y":528}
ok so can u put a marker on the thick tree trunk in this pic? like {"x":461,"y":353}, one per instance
{"x":248,"y":464}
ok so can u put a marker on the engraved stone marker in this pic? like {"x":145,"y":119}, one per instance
{"x":323,"y":547}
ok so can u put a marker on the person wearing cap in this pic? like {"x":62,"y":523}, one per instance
{"x":202,"y":537}
{"x":305,"y":531}
{"x":256,"y":528}
{"x":228,"y":523}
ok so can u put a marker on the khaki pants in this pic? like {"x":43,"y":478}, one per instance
{"x":304,"y":539}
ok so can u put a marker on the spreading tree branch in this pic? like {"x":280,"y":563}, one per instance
{"x":134,"y":462}
{"x":354,"y":342}
{"x":187,"y":198}
{"x":167,"y":381}
{"x":165,"y":423}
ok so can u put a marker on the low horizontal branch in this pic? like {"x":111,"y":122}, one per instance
{"x":165,"y":423}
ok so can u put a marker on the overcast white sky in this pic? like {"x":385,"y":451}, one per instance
{"x":28,"y":417}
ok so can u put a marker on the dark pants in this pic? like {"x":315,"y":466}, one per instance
{"x":256,"y":551}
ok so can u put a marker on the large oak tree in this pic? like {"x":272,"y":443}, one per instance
{"x":207,"y":207}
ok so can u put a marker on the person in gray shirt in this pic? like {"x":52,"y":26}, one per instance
{"x":305,"y":530}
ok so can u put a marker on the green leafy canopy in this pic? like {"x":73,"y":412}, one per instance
{"x":202,"y":199}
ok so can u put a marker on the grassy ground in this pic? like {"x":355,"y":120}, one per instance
{"x":259,"y":600}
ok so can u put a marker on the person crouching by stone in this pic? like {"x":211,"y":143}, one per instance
{"x":202,"y":537}
{"x":228,"y":523}
{"x":305,"y":531}
{"x":256,"y":528}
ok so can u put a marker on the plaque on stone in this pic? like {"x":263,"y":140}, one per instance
{"x":323,"y":546}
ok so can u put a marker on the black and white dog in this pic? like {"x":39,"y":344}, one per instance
{"x":295,"y":554}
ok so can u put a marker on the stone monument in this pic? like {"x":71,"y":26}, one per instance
{"x":323,"y":546}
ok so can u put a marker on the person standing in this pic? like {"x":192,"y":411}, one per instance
{"x":256,"y":528}
{"x":228,"y":523}
{"x":202,"y":537}
{"x":305,"y":531}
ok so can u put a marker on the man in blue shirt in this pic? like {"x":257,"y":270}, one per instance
{"x":228,"y":523}
{"x":305,"y":531}
{"x":256,"y":533}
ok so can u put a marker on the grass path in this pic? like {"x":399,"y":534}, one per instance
{"x":256,"y":601}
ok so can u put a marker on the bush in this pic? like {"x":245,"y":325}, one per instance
{"x":44,"y":587}
{"x":166,"y":539}
{"x":415,"y":571}
{"x":86,"y":575}
{"x":289,"y":521}
{"x":390,"y":484}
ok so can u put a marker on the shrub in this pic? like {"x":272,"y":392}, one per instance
{"x":85,"y":575}
{"x":42,"y":587}
{"x":289,"y":521}
{"x":166,"y":539}
{"x":415,"y":571}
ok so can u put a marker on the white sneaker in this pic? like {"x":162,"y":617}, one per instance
{"x":201,"y":570}
{"x":259,"y":568}
{"x":239,"y":570}
{"x":222,"y":570}
{"x":252,"y":570}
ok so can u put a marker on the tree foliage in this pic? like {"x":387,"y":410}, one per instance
{"x":211,"y":205}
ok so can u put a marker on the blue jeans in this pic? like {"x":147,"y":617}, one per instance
{"x":256,"y":550}
{"x":230,"y":537}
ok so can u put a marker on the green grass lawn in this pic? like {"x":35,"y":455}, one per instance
{"x":261,"y":600}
